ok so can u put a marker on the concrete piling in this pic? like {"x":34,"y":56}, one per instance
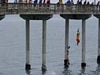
{"x":27,"y":66}
{"x":83,"y":64}
{"x":66,"y":60}
{"x":77,"y":17}
{"x":44,"y":46}
{"x":98,"y":57}
{"x":44,"y":18}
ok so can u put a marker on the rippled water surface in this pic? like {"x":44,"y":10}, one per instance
{"x":12,"y":46}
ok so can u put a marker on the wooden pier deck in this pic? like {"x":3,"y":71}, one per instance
{"x":30,"y":8}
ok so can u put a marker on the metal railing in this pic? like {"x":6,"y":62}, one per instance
{"x":30,"y":8}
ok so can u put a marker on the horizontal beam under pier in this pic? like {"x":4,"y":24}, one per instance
{"x":75,"y":16}
{"x":36,"y":16}
{"x":97,"y":15}
{"x":2,"y":16}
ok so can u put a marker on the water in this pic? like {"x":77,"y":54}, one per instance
{"x":12,"y":46}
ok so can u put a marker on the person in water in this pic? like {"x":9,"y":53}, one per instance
{"x":67,"y":63}
{"x":78,"y":37}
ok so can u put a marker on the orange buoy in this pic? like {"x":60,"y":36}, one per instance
{"x":78,"y":37}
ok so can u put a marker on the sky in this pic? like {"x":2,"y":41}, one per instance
{"x":55,"y":1}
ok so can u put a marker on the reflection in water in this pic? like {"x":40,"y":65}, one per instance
{"x":69,"y":72}
{"x":28,"y":72}
{"x":98,"y":70}
{"x":82,"y":72}
{"x":43,"y":72}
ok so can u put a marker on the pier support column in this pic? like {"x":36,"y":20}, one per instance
{"x":44,"y":46}
{"x":66,"y":61}
{"x":98,"y":57}
{"x":43,"y":17}
{"x":27,"y":66}
{"x":83,"y":64}
{"x":77,"y":17}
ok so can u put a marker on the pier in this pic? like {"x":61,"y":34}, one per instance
{"x":30,"y":11}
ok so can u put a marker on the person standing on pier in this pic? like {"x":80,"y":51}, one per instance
{"x":15,"y":1}
{"x":44,"y":1}
{"x":60,"y":2}
{"x":30,"y":1}
{"x":35,"y":2}
{"x":48,"y":3}
{"x":40,"y":3}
